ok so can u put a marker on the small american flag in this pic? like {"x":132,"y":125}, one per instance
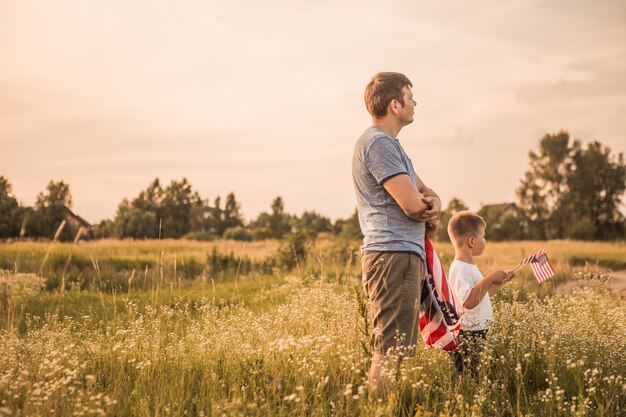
{"x":541,"y":266}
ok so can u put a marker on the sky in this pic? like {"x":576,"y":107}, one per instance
{"x":266,"y":98}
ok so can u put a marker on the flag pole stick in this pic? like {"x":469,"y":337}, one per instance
{"x":517,"y":268}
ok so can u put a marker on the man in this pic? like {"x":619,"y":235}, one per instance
{"x":395,"y":207}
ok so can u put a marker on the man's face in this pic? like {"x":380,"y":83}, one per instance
{"x":406,"y":112}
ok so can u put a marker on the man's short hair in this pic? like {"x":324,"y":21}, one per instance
{"x":382,"y":88}
{"x":464,"y":224}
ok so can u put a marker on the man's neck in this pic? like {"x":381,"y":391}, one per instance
{"x":389,"y":126}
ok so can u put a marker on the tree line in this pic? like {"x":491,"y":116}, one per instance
{"x":177,"y":211}
{"x":171,"y":211}
{"x":569,"y":192}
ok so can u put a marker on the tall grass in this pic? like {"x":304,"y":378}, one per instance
{"x":72,"y":264}
{"x":297,"y":343}
{"x":220,"y":260}
{"x":559,"y":356}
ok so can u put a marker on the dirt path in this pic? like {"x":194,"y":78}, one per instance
{"x":616,"y":283}
{"x":618,"y":280}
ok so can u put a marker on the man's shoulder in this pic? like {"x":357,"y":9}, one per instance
{"x":374,"y":136}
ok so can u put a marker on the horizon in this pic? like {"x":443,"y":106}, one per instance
{"x":210,"y":201}
{"x":266,"y":100}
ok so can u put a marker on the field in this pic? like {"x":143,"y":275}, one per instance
{"x":182,"y":328}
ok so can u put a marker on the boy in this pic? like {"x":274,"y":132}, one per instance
{"x":470,"y":289}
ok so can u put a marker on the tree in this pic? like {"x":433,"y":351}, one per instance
{"x":231,"y":216}
{"x":568,"y":188}
{"x":543,"y":187}
{"x":131,"y":221}
{"x":10,"y":211}
{"x":584,"y":229}
{"x":454,"y":206}
{"x":105,"y":229}
{"x":596,"y":185}
{"x":310,"y":224}
{"x":179,"y":209}
{"x":274,"y":225}
{"x":504,"y":221}
{"x":139,"y":218}
{"x":238,"y":233}
{"x":278,"y":220}
{"x":213,"y":218}
{"x":349,"y":229}
{"x":58,"y":194}
{"x":151,"y":198}
{"x":51,"y":208}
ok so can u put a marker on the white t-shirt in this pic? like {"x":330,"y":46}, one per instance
{"x":462,"y":278}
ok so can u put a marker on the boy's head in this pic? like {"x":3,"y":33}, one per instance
{"x":467,"y":230}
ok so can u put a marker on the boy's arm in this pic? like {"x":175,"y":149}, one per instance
{"x":508,"y":275}
{"x":489,"y":283}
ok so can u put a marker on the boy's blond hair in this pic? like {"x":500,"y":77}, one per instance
{"x":464,"y":224}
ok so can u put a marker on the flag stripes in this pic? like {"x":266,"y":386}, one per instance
{"x":540,"y":265}
{"x":438,"y":319}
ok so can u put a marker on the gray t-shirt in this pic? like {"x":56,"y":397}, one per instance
{"x":377,"y":158}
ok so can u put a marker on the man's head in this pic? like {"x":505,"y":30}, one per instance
{"x":390,"y":92}
{"x":467,"y":229}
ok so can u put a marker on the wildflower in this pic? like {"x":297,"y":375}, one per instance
{"x":90,"y":380}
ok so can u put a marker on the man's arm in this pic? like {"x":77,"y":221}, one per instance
{"x":434,"y":204}
{"x":409,"y":198}
{"x":430,"y":198}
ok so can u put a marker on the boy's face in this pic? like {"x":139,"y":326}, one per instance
{"x":478,"y":242}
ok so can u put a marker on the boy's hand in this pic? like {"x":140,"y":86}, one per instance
{"x":499,"y":277}
{"x":508,"y":275}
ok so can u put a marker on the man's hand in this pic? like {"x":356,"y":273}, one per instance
{"x":434,"y":209}
{"x":432,"y":226}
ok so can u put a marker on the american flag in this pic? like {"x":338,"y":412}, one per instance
{"x":438,"y":319}
{"x":541,"y":266}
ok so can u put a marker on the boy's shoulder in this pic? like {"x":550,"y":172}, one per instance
{"x":458,"y":264}
{"x":460,"y":269}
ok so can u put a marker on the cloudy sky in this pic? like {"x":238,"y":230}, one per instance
{"x":265,"y":98}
